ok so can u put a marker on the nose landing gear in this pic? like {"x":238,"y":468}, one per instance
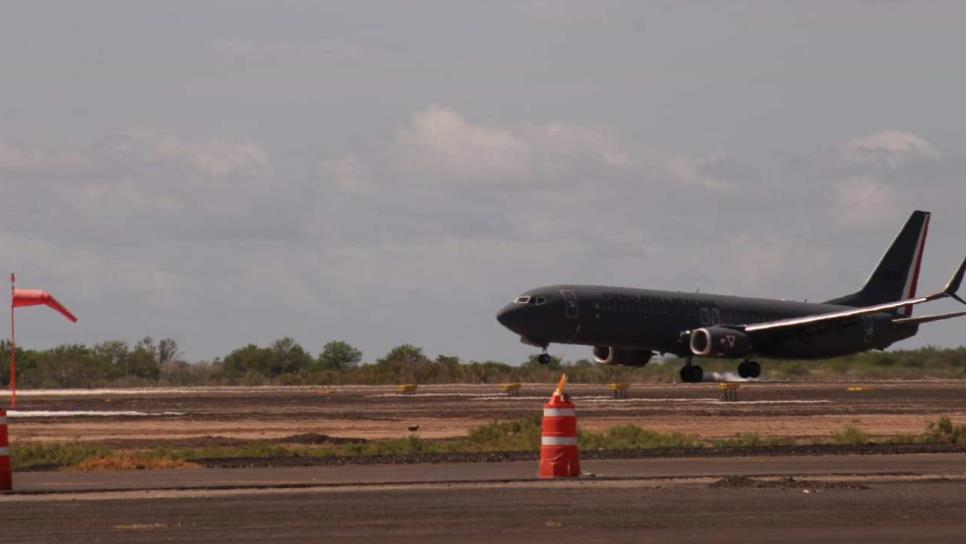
{"x":749,"y":369}
{"x":544,"y":358}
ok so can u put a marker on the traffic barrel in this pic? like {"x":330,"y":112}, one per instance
{"x":6,"y":480}
{"x":559,"y":457}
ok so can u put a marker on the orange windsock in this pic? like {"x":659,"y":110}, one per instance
{"x":33,"y":297}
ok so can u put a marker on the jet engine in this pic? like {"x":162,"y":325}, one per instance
{"x":608,"y":355}
{"x":720,"y":342}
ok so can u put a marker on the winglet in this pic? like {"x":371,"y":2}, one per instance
{"x":954,"y":283}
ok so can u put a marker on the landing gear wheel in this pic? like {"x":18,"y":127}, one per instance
{"x":544,"y":358}
{"x":691,"y":374}
{"x":749,"y":369}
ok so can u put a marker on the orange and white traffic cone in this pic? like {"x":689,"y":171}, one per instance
{"x":6,"y":480}
{"x":559,"y":457}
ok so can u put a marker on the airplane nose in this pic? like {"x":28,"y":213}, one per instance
{"x":508,"y":316}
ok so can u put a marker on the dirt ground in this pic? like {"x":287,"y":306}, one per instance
{"x":213,"y":415}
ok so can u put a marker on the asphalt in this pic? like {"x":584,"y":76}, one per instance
{"x":522,"y":471}
{"x":877,"y":498}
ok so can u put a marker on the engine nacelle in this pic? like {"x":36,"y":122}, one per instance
{"x":720,"y":342}
{"x":608,"y":355}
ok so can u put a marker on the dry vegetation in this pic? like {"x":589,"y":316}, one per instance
{"x":521,"y":435}
{"x":285,"y":362}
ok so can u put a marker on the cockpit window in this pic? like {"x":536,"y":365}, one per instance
{"x":530,"y":300}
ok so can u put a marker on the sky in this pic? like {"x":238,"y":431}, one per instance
{"x":225,"y":173}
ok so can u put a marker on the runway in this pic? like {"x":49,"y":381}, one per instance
{"x":216,"y":416}
{"x":880,"y":498}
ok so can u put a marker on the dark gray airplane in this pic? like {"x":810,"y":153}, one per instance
{"x":627,"y":326}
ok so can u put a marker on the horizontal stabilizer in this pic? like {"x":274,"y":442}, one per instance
{"x":927,"y":318}
{"x":955,"y":281}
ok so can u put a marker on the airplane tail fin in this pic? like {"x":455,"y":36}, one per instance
{"x":896,"y":276}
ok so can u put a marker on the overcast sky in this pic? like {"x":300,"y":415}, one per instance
{"x":389,"y":172}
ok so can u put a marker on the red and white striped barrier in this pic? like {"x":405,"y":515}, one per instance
{"x":6,"y":480}
{"x":559,"y":457}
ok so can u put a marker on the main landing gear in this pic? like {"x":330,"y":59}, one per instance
{"x":749,"y":369}
{"x":691,"y":373}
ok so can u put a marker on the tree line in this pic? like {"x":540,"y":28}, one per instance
{"x":148,"y":362}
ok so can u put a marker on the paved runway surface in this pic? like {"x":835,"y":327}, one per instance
{"x":873,"y":498}
{"x":913,"y":464}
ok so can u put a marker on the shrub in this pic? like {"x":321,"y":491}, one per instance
{"x":945,"y":432}
{"x":752,"y":440}
{"x":850,"y":435}
{"x":631,"y":437}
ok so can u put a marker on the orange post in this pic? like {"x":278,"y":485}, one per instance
{"x":559,"y":457}
{"x":6,"y":479}
{"x":13,"y":346}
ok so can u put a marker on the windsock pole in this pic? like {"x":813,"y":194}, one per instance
{"x":13,"y":348}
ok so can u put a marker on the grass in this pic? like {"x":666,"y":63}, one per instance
{"x":134,"y":461}
{"x":752,"y":440}
{"x":632,"y":437}
{"x":522,"y":435}
{"x":33,"y":455}
{"x":850,"y":435}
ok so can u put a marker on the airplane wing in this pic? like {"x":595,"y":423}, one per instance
{"x":844,"y":317}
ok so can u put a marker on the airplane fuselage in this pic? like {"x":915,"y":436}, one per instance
{"x":654,"y":320}
{"x":626,"y":326}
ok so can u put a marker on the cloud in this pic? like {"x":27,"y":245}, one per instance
{"x":123,"y":198}
{"x":27,"y":160}
{"x":347,"y":172}
{"x":560,"y":139}
{"x":138,"y":151}
{"x":864,"y":203}
{"x":561,"y":12}
{"x":879,"y":176}
{"x":273,"y":54}
{"x":103,"y":275}
{"x":147,"y":184}
{"x":716,"y":171}
{"x":755,"y":259}
{"x":890,"y":148}
{"x":213,"y":158}
{"x":441,"y":142}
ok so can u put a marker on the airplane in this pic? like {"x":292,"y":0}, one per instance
{"x":627,"y":326}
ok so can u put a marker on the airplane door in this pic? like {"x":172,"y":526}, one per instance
{"x":570,"y":303}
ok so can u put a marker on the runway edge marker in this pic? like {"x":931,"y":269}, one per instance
{"x":559,"y":456}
